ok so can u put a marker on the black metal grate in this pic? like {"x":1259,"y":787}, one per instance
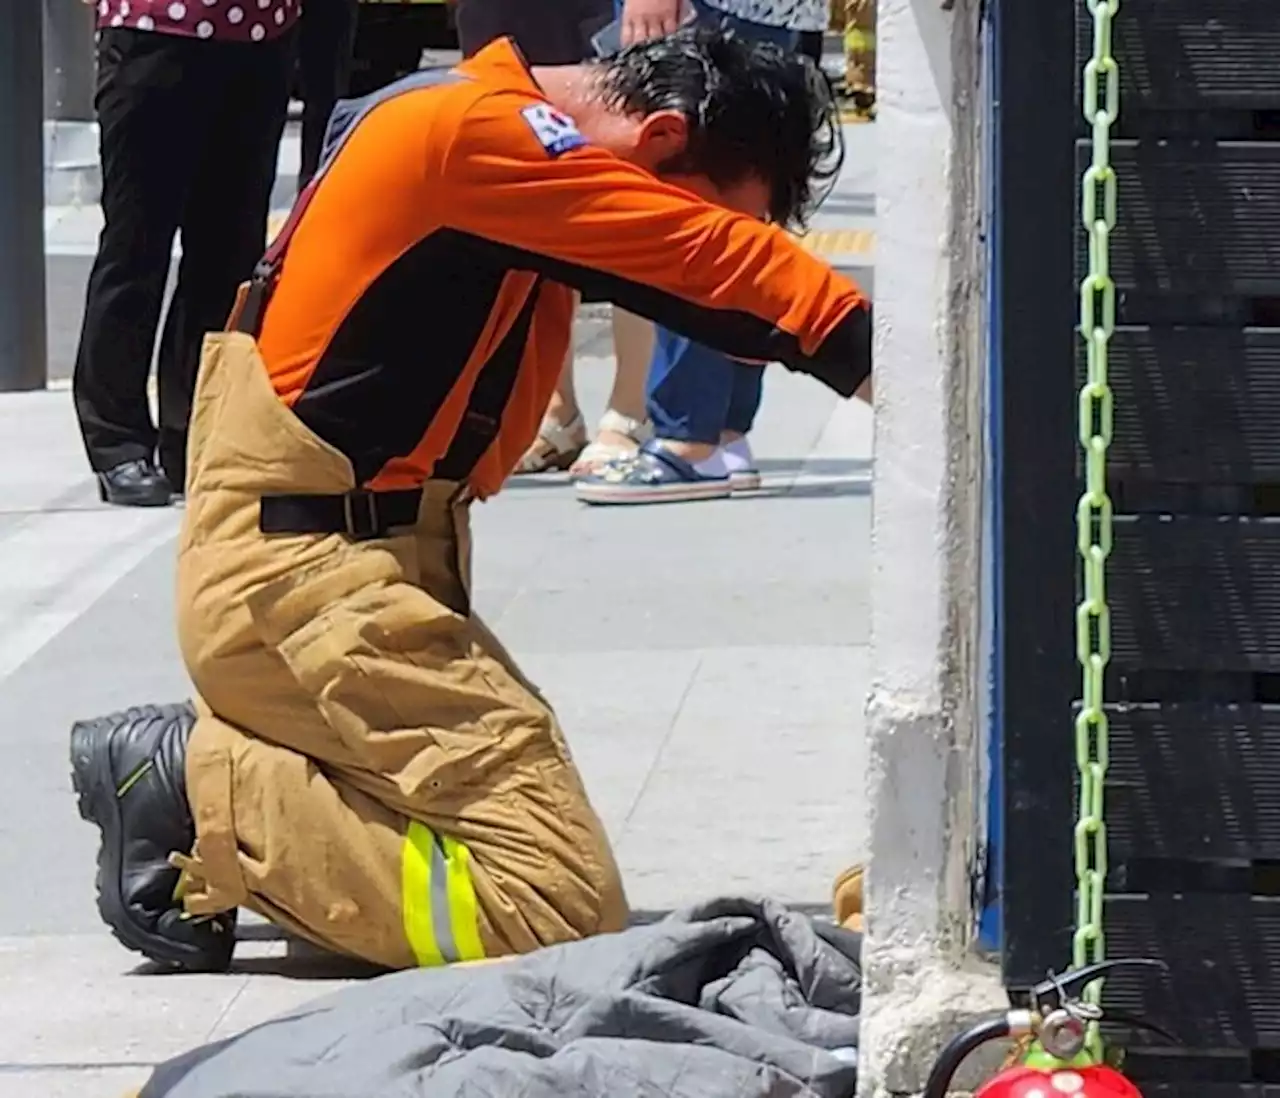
{"x":1195,"y":594}
{"x":1195,"y":405}
{"x":1223,"y":991}
{"x":1192,"y":55}
{"x":1191,"y":1073}
{"x":1197,"y":218}
{"x":1193,"y":795}
{"x":1192,"y":784}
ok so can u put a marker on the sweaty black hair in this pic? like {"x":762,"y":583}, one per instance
{"x":753,"y":110}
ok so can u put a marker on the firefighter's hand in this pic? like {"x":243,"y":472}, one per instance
{"x":643,"y":20}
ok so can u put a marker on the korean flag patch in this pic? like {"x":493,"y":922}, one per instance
{"x":556,"y":132}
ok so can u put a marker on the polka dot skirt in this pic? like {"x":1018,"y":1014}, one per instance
{"x":222,"y":20}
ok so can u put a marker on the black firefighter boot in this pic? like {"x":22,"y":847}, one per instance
{"x":129,"y":773}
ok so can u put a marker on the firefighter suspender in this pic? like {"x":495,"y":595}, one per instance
{"x":342,"y":124}
{"x":267,"y":270}
{"x":483,"y":417}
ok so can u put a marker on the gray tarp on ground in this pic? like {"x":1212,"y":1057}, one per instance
{"x":732,"y":999}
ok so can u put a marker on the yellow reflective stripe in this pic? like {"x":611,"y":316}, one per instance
{"x":415,"y":894}
{"x":441,"y":918}
{"x":463,"y":913}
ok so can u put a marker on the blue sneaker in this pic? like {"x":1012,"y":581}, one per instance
{"x":651,"y":475}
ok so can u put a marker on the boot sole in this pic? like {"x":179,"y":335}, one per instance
{"x":99,"y":806}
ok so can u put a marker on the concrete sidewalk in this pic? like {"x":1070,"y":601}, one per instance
{"x":707,"y":661}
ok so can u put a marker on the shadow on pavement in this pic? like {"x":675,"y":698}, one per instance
{"x":817,"y":467}
{"x":831,"y":489}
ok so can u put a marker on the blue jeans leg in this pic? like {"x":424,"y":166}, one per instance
{"x":694,"y":393}
{"x":744,"y":398}
{"x":689,"y":389}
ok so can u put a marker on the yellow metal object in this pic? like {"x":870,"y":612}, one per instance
{"x":847,"y":899}
{"x":860,"y":47}
{"x":857,"y":40}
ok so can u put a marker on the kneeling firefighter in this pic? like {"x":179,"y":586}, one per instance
{"x":368,"y":768}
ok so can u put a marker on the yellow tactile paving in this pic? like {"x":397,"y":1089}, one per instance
{"x":829,"y":243}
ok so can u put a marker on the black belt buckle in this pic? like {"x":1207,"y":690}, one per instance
{"x":360,"y":513}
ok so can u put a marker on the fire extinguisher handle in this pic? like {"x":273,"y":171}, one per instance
{"x":958,"y":1048}
{"x":1060,"y":989}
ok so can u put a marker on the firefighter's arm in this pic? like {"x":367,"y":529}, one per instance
{"x":516,"y":177}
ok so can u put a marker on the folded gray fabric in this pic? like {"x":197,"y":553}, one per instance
{"x":735,"y":998}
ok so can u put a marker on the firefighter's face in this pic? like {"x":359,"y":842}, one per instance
{"x":657,"y":142}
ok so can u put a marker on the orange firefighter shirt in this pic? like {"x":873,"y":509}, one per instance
{"x":423,"y":304}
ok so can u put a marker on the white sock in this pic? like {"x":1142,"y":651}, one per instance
{"x":738,"y":457}
{"x":714,"y":466}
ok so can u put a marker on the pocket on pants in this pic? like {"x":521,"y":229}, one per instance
{"x":387,"y":666}
{"x":134,"y":61}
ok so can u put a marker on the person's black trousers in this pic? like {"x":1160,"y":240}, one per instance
{"x":189,"y":134}
{"x":326,"y":39}
{"x":811,"y":43}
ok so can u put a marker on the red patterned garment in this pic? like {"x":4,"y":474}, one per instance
{"x":221,"y":20}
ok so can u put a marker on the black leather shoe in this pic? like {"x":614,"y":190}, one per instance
{"x":135,"y":484}
{"x":128,"y":770}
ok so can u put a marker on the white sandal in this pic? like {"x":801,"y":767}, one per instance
{"x":597,"y":454}
{"x":556,"y":448}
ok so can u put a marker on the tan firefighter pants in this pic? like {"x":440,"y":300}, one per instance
{"x":369,"y":769}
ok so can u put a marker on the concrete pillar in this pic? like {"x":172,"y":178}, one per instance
{"x":921,"y":980}
{"x":23,"y":341}
{"x":68,"y":60}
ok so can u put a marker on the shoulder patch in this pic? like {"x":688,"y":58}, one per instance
{"x":556,"y":132}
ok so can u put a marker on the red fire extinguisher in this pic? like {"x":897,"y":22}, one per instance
{"x":1058,"y":1064}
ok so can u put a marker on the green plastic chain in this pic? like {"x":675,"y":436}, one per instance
{"x":1093,"y":514}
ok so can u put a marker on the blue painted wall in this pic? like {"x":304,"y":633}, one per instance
{"x":989,"y":926}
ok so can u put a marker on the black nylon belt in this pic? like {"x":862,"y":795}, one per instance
{"x":361,"y":515}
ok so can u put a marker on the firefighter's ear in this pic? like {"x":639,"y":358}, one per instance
{"x":662,"y":138}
